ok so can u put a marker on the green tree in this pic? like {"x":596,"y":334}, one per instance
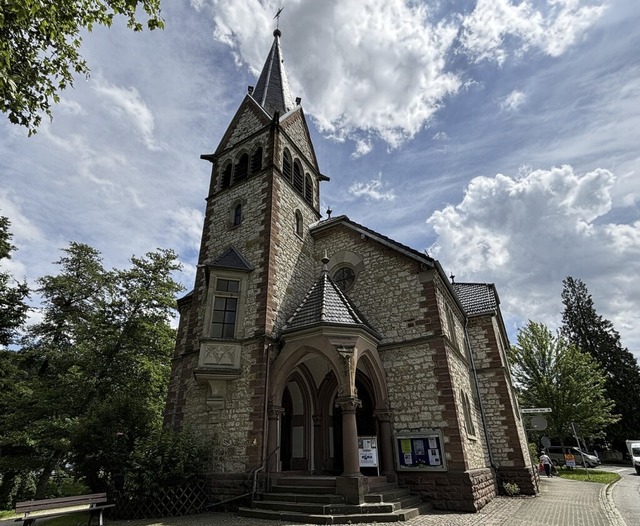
{"x":550,"y":372}
{"x":40,"y":48}
{"x":595,"y":335}
{"x":13,"y":295}
{"x":95,"y":369}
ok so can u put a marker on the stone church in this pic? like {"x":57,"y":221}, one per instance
{"x":322,"y":357}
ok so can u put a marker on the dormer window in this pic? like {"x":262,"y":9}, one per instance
{"x":225,"y":308}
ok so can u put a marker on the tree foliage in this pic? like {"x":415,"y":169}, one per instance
{"x":595,"y":335}
{"x":90,"y":379}
{"x":13,"y":294}
{"x":550,"y":372}
{"x":40,"y":48}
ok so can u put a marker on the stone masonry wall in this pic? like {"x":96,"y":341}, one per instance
{"x":397,"y":312}
{"x":460,"y":491}
{"x":508,"y":443}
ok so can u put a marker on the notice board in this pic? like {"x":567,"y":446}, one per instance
{"x":420,"y":451}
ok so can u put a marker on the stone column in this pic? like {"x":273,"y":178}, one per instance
{"x":273,"y":438}
{"x":318,"y":451}
{"x":351,"y":459}
{"x":386,"y":442}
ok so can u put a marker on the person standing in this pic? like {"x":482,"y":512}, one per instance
{"x":546,"y":463}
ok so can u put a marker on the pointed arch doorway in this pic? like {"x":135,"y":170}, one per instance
{"x":307,"y":428}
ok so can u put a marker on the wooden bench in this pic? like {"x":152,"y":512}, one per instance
{"x":93,"y":504}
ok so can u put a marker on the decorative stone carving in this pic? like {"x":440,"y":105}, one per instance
{"x":348,"y":404}
{"x":224,"y":355}
{"x":218,"y":363}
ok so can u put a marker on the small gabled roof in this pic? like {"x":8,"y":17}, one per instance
{"x":326,"y":305}
{"x":477,"y":298}
{"x":272,"y":90}
{"x":232,"y":260}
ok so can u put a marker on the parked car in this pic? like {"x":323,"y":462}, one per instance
{"x":557,"y":453}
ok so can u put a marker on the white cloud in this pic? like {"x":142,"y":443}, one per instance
{"x":527,"y":233}
{"x":128,"y":105}
{"x":186,"y":227}
{"x":374,"y":189}
{"x":497,"y":29}
{"x":363,"y":147}
{"x":513,"y":101}
{"x":382,"y":65}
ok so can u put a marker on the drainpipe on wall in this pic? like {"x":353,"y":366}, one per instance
{"x":265,"y":415}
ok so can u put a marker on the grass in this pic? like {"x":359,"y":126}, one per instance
{"x":593,"y":475}
{"x":5,"y":514}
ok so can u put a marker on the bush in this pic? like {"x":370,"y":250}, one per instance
{"x":511,"y":489}
{"x":166,"y":459}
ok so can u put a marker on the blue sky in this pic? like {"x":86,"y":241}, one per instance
{"x":501,"y":137}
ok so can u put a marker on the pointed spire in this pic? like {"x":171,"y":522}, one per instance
{"x":272,"y":91}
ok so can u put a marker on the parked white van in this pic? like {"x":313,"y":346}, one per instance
{"x":556,"y":454}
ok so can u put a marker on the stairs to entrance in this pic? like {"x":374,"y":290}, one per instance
{"x":313,"y":500}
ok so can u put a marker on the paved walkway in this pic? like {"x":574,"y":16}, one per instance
{"x":561,"y":502}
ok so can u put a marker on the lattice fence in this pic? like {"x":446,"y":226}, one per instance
{"x":169,"y":502}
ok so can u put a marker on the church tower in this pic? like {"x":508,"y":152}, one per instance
{"x":255,"y":265}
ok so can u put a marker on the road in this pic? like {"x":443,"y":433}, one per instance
{"x":626,"y":494}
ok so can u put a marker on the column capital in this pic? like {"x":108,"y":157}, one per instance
{"x":383,"y":415}
{"x":348,"y":404}
{"x":274,"y":412}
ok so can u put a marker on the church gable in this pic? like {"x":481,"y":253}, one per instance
{"x":295,"y":127}
{"x":248,"y":119}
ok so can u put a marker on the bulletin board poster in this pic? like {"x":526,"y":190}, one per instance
{"x":420,"y":451}
{"x":368,"y":451}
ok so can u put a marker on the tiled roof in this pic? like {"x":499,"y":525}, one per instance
{"x":326,"y":304}
{"x":272,"y":90}
{"x":231,"y":259}
{"x":477,"y":298}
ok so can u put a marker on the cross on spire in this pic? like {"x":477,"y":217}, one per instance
{"x":277,"y":17}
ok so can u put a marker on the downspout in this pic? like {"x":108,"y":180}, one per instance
{"x":482,"y":411}
{"x":265,"y":419}
{"x":265,"y":424}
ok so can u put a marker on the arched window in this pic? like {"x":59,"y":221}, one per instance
{"x":344,"y":277}
{"x":298,"y":181}
{"x":256,"y":161}
{"x":308,"y":190}
{"x":226,"y":176}
{"x":468,"y":418}
{"x":286,"y":165}
{"x":237,"y":215}
{"x":298,"y":223}
{"x":242,"y":168}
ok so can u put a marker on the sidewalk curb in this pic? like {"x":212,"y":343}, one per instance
{"x":608,"y":506}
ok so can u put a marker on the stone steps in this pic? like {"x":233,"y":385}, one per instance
{"x":313,"y":500}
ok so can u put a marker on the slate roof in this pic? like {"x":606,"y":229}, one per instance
{"x":477,"y":298}
{"x":326,"y":304}
{"x":272,"y":90}
{"x":231,"y":259}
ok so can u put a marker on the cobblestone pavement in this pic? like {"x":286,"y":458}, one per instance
{"x":560,"y":503}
